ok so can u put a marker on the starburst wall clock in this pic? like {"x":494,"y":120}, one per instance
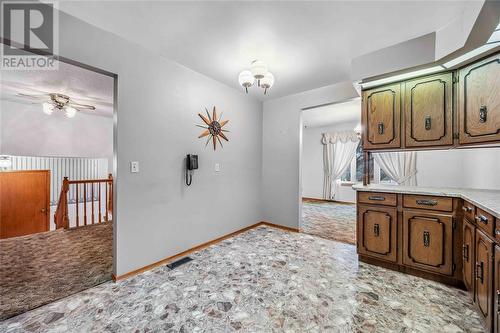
{"x":213,"y":128}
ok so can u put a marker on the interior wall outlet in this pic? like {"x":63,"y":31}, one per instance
{"x":134,"y":166}
{"x":217,"y":167}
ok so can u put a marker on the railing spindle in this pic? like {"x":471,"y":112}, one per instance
{"x":100,"y":217}
{"x":77,"y":207}
{"x":92,"y":192}
{"x":85,"y":203}
{"x":106,"y":203}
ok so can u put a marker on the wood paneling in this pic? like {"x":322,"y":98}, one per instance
{"x":428,"y":111}
{"x":496,"y":292}
{"x":479,"y":101}
{"x":377,"y":198}
{"x":468,"y":255}
{"x":428,"y":241}
{"x":24,"y":202}
{"x":381,"y":117}
{"x":444,"y":204}
{"x":377,"y":232}
{"x":484,"y":276}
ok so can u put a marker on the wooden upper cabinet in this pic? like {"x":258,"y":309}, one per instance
{"x":377,"y":232}
{"x":479,"y":101}
{"x":428,"y":241}
{"x":428,"y":110}
{"x":381,"y":117}
{"x":484,"y":276}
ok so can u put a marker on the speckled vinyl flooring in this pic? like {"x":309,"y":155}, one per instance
{"x":264,"y":280}
{"x":332,"y":220}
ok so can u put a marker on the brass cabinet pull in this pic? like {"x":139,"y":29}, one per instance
{"x":481,"y":218}
{"x":376,"y":229}
{"x":427,"y":202}
{"x":466,"y":209}
{"x":380,"y":128}
{"x":483,"y":114}
{"x":465,"y":252}
{"x":376,"y":198}
{"x":480,"y":271}
{"x":427,"y":238}
{"x":428,"y":123}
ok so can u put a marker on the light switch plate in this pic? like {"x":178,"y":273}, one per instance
{"x":134,"y":166}
{"x":217,"y":167}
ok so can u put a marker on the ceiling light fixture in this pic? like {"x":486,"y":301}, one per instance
{"x":258,"y":71}
{"x":48,"y":108}
{"x":55,"y":101}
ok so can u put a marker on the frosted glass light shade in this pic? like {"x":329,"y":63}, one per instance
{"x":246,"y":79}
{"x":70,"y":112}
{"x":48,"y":108}
{"x":259,"y":69}
{"x":267,"y":81}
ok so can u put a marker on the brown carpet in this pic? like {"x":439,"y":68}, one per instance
{"x":331,"y":220}
{"x":41,"y":268}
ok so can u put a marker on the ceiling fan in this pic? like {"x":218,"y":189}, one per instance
{"x":53,"y":101}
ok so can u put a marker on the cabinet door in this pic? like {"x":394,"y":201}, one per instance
{"x":381,"y":117}
{"x":428,"y":241}
{"x":484,"y":289}
{"x":468,"y":256}
{"x":377,"y":228}
{"x":428,"y":111}
{"x":479,"y":101}
{"x":497,"y":289}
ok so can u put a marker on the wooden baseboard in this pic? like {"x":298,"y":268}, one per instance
{"x":200,"y":247}
{"x":325,"y":200}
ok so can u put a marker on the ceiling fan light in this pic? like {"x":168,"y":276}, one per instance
{"x":267,"y":81}
{"x":259,"y":69}
{"x":70,"y":112}
{"x":246,"y":79}
{"x":48,"y":108}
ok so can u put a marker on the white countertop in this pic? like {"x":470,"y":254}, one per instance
{"x":488,"y":200}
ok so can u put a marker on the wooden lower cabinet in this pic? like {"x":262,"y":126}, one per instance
{"x":469,"y":235}
{"x":484,"y":276}
{"x":496,"y":293}
{"x":428,"y":241}
{"x":377,"y":232}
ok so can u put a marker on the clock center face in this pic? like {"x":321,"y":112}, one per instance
{"x":214,"y":128}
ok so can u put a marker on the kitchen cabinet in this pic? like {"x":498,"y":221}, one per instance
{"x":484,"y":276}
{"x":469,"y":234}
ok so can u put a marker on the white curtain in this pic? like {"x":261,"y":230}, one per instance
{"x":400,"y":166}
{"x":338,"y":151}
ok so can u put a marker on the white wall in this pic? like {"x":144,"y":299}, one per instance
{"x":26,"y":130}
{"x":281,"y":173}
{"x":158,"y":101}
{"x":312,"y":162}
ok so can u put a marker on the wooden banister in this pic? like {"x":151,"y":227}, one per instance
{"x":61,"y":216}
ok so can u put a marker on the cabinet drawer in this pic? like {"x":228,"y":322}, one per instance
{"x":377,"y":198}
{"x":428,"y":202}
{"x":377,"y":232}
{"x":469,"y":211}
{"x":485,"y":221}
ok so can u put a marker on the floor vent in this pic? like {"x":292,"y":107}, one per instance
{"x":179,"y":262}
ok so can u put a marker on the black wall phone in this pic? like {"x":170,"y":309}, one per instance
{"x":191,"y":164}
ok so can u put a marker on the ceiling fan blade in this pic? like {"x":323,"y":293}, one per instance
{"x":81,"y":106}
{"x":33,"y":96}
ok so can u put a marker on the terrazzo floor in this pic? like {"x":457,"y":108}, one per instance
{"x":332,"y":220}
{"x":264,"y":280}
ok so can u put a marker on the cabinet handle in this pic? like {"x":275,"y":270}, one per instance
{"x":376,"y":229}
{"x":376,"y":198}
{"x":480,"y":271}
{"x":465,"y":252}
{"x":483,"y":114}
{"x":498,"y":301}
{"x":466,"y":209}
{"x":380,"y":128}
{"x":428,"y":123}
{"x":427,"y":238}
{"x":497,"y":232}
{"x":427,"y":202}
{"x":482,"y":219}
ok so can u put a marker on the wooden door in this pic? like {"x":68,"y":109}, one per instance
{"x":428,"y":111}
{"x":479,"y":101}
{"x":496,"y":310}
{"x":428,"y":241}
{"x":24,"y":202}
{"x":381,"y":117}
{"x":468,"y":255}
{"x":377,"y":232}
{"x":484,"y":288}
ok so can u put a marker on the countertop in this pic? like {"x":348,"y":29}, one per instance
{"x":488,"y":200}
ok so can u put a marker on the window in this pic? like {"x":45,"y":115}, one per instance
{"x":355,"y":173}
